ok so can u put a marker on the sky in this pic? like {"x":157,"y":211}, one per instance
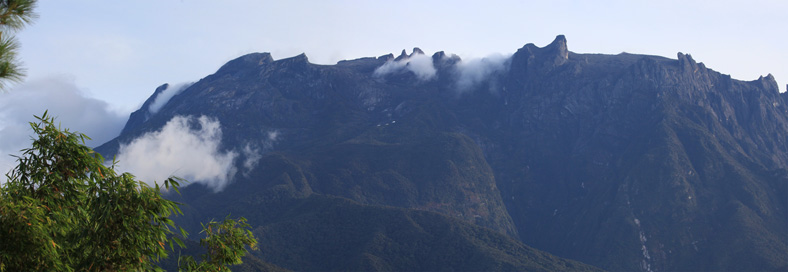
{"x":91,"y":63}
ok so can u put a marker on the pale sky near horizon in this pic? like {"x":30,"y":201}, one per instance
{"x":119,"y":51}
{"x":93,"y":62}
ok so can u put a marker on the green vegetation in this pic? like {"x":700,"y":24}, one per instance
{"x":303,"y":229}
{"x":62,"y":209}
{"x":328,"y":233}
{"x":14,"y":15}
{"x":225,"y":243}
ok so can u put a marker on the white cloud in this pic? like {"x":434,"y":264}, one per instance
{"x":252,"y":155}
{"x":273,"y":135}
{"x":59,"y":95}
{"x":472,"y":72}
{"x":180,"y":149}
{"x":468,"y":73}
{"x":389,"y":67}
{"x":253,"y":152}
{"x":420,"y":64}
{"x":166,"y":95}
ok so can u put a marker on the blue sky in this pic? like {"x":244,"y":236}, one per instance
{"x":93,"y":62}
{"x":119,"y":51}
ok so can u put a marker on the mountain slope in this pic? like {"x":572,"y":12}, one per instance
{"x":298,"y":229}
{"x":371,"y":238}
{"x":647,"y":160}
{"x":626,"y":162}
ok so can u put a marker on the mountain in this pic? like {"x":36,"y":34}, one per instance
{"x":625,"y":162}
{"x":322,"y":233}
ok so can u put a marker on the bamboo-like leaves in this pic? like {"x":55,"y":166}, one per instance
{"x":226,"y":244}
{"x":63,"y":210}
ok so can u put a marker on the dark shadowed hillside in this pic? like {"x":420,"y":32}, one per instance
{"x":354,"y":237}
{"x":625,"y":162}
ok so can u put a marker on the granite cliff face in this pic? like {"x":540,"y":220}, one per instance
{"x":615,"y":153}
{"x":626,"y":162}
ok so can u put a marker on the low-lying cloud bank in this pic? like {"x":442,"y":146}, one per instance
{"x":471,"y":73}
{"x":72,"y":107}
{"x":468,"y":74}
{"x":186,"y":147}
{"x":420,"y":64}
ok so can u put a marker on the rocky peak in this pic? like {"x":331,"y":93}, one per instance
{"x":444,"y":63}
{"x":441,"y":60}
{"x":687,"y":63}
{"x":402,"y":56}
{"x":295,"y":63}
{"x":245,"y":62}
{"x":416,"y":51}
{"x":438,"y":55}
{"x":158,"y":91}
{"x":558,"y":47}
{"x":300,"y":58}
{"x":386,"y":57}
{"x":769,"y":83}
{"x":141,"y":115}
{"x":530,"y":58}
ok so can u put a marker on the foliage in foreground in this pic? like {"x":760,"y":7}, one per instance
{"x":223,"y":241}
{"x":14,"y":15}
{"x":62,"y":209}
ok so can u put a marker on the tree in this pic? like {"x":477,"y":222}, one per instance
{"x":225,"y":244}
{"x":14,"y":15}
{"x":62,"y":209}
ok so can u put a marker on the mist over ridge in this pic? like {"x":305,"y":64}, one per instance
{"x":625,"y":162}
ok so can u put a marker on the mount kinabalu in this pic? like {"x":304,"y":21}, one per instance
{"x":625,"y":162}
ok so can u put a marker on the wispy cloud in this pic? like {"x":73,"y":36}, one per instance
{"x":186,"y":147}
{"x":253,"y":151}
{"x":471,"y":73}
{"x":252,"y":155}
{"x":166,"y":95}
{"x":419,"y":64}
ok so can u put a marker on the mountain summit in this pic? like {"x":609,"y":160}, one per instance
{"x":625,"y":162}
